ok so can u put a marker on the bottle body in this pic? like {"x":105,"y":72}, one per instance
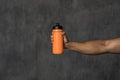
{"x":57,"y":44}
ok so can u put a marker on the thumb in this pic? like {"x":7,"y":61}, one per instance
{"x":65,"y":37}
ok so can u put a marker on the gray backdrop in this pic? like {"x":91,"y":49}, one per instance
{"x":25,"y":48}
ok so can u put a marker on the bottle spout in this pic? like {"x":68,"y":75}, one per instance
{"x":57,"y":26}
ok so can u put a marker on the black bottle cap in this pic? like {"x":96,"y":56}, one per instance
{"x":57,"y":26}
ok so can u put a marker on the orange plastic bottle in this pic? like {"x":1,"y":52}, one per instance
{"x":57,"y":43}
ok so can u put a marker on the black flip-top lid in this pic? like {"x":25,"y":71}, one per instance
{"x":57,"y":26}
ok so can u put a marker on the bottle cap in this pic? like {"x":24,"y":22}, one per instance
{"x":57,"y":26}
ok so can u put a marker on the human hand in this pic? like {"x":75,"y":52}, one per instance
{"x":64,"y":38}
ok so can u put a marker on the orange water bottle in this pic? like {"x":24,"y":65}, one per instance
{"x":57,"y":43}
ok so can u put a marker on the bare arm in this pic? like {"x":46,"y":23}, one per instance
{"x":95,"y":46}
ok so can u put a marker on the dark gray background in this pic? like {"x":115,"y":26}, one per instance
{"x":25,"y":48}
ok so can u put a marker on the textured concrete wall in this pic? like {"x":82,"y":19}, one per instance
{"x":25,"y":48}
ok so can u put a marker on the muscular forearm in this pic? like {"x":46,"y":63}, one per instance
{"x":90,"y":47}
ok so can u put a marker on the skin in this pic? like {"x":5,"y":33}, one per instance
{"x":93,"y":47}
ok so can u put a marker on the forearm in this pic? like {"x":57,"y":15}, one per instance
{"x":90,"y":47}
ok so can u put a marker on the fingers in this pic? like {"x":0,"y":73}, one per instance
{"x":51,"y":39}
{"x":64,"y":36}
